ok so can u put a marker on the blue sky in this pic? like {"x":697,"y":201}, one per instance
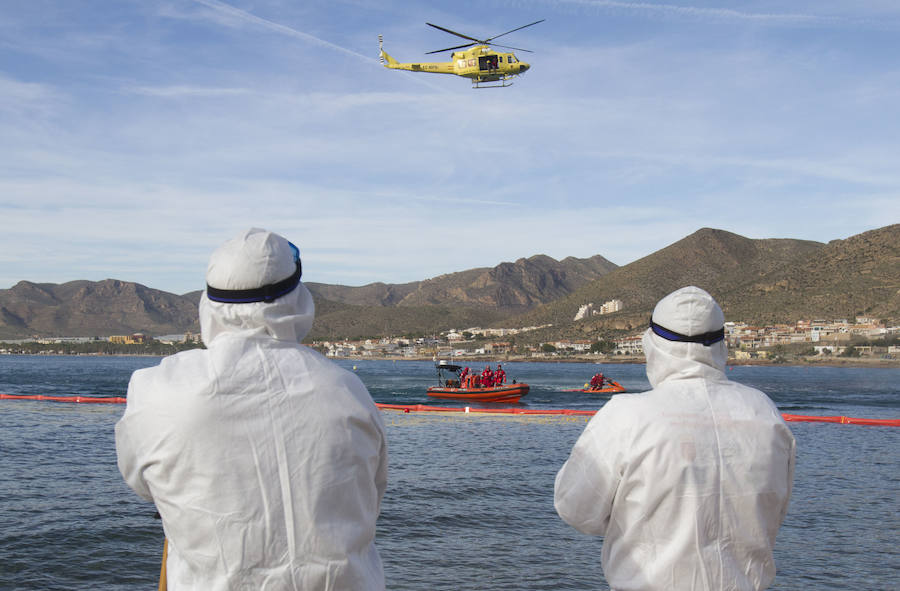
{"x":136,"y":136}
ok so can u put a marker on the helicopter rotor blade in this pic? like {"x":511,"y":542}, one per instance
{"x":450,"y":48}
{"x":508,"y":47}
{"x":508,"y":32}
{"x":455,"y":33}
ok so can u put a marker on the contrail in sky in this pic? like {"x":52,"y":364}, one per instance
{"x":704,"y":12}
{"x":273,"y":26}
{"x":253,"y":19}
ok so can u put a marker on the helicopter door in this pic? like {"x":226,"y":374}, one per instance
{"x":488,"y":62}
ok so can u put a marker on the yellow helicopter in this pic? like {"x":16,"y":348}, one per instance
{"x":480,"y":64}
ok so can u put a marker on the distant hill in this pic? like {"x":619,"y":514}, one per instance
{"x":764,"y":281}
{"x":859,"y":276}
{"x":335,"y":320}
{"x":463,"y":299}
{"x":92,"y":308}
{"x":477,"y":297}
{"x":508,"y":286}
{"x":714,"y":260}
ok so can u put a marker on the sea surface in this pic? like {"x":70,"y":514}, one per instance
{"x":469,"y":504}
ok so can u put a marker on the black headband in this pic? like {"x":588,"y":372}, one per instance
{"x":706,"y":339}
{"x":266,"y":293}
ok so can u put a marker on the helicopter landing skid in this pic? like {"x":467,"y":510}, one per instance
{"x":503,"y":84}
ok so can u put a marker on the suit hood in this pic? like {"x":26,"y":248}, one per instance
{"x":689,"y":311}
{"x":254,"y":259}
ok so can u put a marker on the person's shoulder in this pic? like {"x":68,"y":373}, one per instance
{"x":629,"y":402}
{"x":169,"y":365}
{"x":752,"y":403}
{"x":318,"y":362}
{"x":620,"y":406}
{"x":174,"y":370}
{"x":749,"y":392}
{"x":613,"y":423}
{"x":327,"y":371}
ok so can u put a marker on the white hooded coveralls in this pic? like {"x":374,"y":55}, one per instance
{"x":689,"y":482}
{"x":266,"y":461}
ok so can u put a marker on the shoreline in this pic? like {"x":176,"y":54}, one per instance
{"x":839,"y":362}
{"x":859,"y":362}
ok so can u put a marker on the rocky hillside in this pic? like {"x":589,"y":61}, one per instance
{"x":770,"y":280}
{"x":859,"y":276}
{"x":715,"y":260}
{"x":466,"y":298}
{"x":477,"y":297}
{"x":92,"y":308}
{"x":507,"y":287}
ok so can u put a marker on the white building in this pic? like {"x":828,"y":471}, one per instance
{"x":630,"y":346}
{"x":454,"y":336}
{"x":611,"y":306}
{"x":585,"y":311}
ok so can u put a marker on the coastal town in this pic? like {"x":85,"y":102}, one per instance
{"x":859,"y":338}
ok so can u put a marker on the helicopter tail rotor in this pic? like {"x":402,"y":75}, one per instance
{"x":386,"y":60}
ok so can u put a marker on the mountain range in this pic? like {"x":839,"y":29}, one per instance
{"x":756,"y":280}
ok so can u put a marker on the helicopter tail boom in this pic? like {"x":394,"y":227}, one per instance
{"x":432,"y":67}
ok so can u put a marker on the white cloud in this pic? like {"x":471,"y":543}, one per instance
{"x":186,"y":91}
{"x":27,"y":99}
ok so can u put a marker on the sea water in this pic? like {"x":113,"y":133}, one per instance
{"x":469,"y":503}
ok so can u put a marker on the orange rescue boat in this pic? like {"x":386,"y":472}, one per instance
{"x":609,"y":387}
{"x":449,"y":386}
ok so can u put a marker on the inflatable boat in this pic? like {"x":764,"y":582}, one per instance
{"x":609,"y":387}
{"x":449,"y":386}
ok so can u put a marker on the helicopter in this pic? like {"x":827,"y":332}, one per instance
{"x":481,"y":64}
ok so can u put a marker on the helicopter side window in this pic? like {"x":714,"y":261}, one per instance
{"x":488,"y":62}
{"x":511,"y":59}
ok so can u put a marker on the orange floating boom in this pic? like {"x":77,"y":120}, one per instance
{"x":467,"y":409}
{"x":94,"y":399}
{"x":564,"y":411}
{"x":842,"y":420}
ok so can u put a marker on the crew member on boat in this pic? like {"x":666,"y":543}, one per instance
{"x":597,"y":381}
{"x":499,"y":376}
{"x":487,"y":377}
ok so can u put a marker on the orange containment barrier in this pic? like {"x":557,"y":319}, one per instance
{"x":563,"y":411}
{"x":471,"y":410}
{"x":95,"y":399}
{"x":843,"y":420}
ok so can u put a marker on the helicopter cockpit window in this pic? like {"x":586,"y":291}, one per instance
{"x":511,"y":59}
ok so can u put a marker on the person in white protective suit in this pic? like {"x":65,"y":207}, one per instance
{"x":266,"y":461}
{"x":689,"y":482}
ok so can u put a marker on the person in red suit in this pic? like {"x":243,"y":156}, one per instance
{"x":487,"y":377}
{"x":499,"y":376}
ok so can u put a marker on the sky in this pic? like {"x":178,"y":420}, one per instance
{"x":136,"y":136}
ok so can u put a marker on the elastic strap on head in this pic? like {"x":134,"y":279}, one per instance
{"x":706,"y":339}
{"x":266,"y":293}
